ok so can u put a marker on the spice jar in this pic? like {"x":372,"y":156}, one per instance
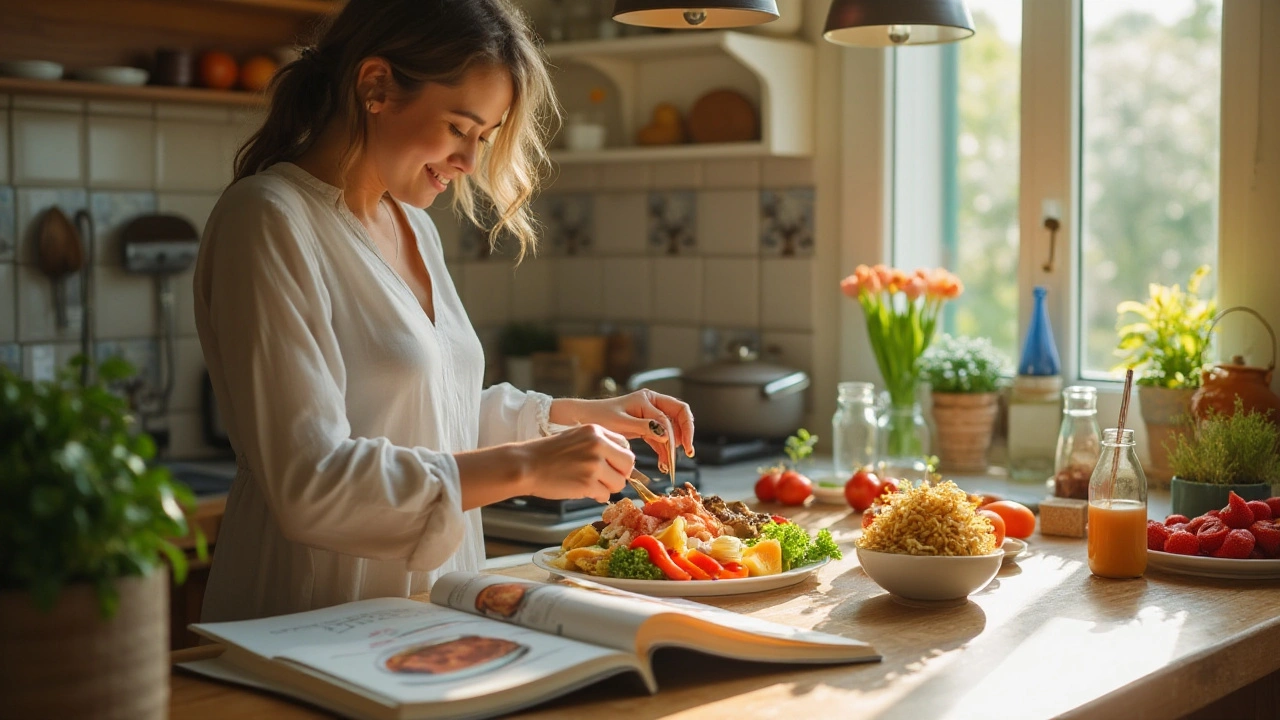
{"x":1079,"y":443}
{"x":853,"y":429}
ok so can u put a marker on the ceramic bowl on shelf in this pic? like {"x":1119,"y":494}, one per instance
{"x":113,"y":75}
{"x":931,"y":577}
{"x":31,"y":69}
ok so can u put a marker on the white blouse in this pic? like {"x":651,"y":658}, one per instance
{"x":343,"y":401}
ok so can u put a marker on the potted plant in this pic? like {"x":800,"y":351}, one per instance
{"x":1221,"y":454}
{"x":964,"y":377}
{"x":1165,"y":347}
{"x":518,"y":343}
{"x":85,"y":528}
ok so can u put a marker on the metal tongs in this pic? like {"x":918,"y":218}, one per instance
{"x":640,"y":483}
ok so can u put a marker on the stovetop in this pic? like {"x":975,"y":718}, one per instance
{"x":723,"y":450}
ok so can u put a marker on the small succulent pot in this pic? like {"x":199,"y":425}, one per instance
{"x":1196,"y":498}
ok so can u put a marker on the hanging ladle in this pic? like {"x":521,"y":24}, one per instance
{"x":58,"y":254}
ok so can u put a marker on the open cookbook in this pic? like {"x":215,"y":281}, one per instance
{"x":487,"y":645}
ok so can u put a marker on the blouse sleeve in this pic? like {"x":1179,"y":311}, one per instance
{"x":264,"y":317}
{"x":511,"y":415}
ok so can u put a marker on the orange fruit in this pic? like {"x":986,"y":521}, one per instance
{"x":218,"y":70}
{"x":255,"y":74}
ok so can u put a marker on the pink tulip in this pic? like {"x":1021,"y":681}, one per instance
{"x":884,"y":274}
{"x":914,"y":288}
{"x":849,"y":286}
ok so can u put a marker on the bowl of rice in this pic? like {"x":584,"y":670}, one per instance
{"x":928,"y":543}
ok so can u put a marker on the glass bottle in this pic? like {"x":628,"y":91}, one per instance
{"x":1079,"y":443}
{"x":853,"y":428}
{"x":903,"y":439}
{"x":1039,"y":352}
{"x":1118,"y":510}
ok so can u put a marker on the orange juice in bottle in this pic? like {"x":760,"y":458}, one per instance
{"x":1118,"y":510}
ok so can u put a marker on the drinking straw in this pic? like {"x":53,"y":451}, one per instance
{"x":1124,"y":412}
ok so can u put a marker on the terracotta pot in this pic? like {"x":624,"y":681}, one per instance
{"x":964,"y":424}
{"x":1167,"y":415}
{"x":70,"y":663}
{"x":1196,"y":498}
{"x":1228,"y":381}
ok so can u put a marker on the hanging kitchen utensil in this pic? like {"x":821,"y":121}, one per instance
{"x":1227,"y":381}
{"x":58,"y":254}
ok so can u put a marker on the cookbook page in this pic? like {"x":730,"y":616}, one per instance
{"x":410,"y":652}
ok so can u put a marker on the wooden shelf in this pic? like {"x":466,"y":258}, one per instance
{"x":144,"y":93}
{"x":304,"y":7}
{"x":658,"y":153}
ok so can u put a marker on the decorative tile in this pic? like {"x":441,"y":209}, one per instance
{"x":673,"y":221}
{"x":111,"y":211}
{"x":11,"y":356}
{"x":144,"y":356}
{"x":569,"y":222}
{"x":8,"y":225}
{"x":722,"y":343}
{"x":786,"y":221}
{"x":32,"y":204}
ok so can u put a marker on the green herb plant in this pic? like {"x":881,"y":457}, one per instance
{"x":1167,"y":343}
{"x":963,"y":365}
{"x":78,"y":501}
{"x":800,"y":446}
{"x":1238,"y":449}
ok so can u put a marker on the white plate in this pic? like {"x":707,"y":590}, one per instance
{"x":683,"y":588}
{"x":1214,"y":567}
{"x":1013,"y":547}
{"x":113,"y":75}
{"x":829,"y":495}
{"x":31,"y":69}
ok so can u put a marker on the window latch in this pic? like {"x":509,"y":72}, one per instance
{"x":1051,"y":224}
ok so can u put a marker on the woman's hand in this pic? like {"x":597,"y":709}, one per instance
{"x":585,"y":461}
{"x":658,"y":418}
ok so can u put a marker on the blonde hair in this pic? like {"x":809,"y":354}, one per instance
{"x":424,"y":41}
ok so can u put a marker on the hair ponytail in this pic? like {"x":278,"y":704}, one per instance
{"x":300,"y":107}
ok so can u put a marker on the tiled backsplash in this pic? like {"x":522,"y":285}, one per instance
{"x":684,"y":257}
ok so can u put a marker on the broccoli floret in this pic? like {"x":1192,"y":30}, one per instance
{"x":797,"y":548}
{"x":635,"y":564}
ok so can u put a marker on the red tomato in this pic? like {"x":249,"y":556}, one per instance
{"x":868,"y":517}
{"x":794,"y":488}
{"x":862,"y":490}
{"x":888,"y":485}
{"x":767,"y":486}
{"x":1018,"y":519}
{"x":997,"y":522}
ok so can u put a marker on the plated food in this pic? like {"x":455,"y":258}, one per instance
{"x":450,"y":657}
{"x":502,"y":600}
{"x":1242,"y":540}
{"x":685,"y":537}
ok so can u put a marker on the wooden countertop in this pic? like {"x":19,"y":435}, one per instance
{"x":1045,"y":639}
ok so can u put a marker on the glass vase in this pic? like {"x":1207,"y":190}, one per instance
{"x":853,"y":429}
{"x":903,"y":440}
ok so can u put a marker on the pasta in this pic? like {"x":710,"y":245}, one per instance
{"x":929,"y":520}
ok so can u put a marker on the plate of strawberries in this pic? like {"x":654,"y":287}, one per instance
{"x":1240,"y":541}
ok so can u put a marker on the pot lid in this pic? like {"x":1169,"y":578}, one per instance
{"x":738,"y":372}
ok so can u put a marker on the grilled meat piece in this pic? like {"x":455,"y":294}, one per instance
{"x":744,"y":522}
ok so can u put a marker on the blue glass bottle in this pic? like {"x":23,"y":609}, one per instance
{"x":1039,"y":353}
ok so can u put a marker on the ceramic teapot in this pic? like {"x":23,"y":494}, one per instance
{"x":1226,"y":381}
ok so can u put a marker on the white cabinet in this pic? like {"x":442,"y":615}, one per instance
{"x":677,"y":68}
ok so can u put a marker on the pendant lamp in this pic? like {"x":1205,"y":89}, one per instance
{"x":685,"y":15}
{"x":889,"y":23}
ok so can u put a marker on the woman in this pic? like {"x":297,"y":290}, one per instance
{"x":347,"y":371}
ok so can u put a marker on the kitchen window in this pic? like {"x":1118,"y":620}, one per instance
{"x":1101,"y":113}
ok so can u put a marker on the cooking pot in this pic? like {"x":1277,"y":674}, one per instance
{"x":740,"y":397}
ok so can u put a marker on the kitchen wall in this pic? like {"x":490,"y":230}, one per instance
{"x":118,"y":160}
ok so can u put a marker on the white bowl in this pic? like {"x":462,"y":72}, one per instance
{"x":114,"y":75}
{"x":931,"y":577}
{"x":31,"y":69}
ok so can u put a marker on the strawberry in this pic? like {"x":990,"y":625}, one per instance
{"x":1261,"y":510}
{"x":1174,"y":519}
{"x":1274,"y":504}
{"x":1213,"y":513}
{"x":1157,"y":534}
{"x":1211,"y":536}
{"x":1237,"y":514}
{"x":1182,"y":543}
{"x":1238,"y":545}
{"x":1267,"y":535}
{"x":1256,"y":554}
{"x":1197,"y":522}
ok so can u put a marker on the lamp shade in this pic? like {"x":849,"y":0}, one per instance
{"x":887,"y":23}
{"x":685,"y":15}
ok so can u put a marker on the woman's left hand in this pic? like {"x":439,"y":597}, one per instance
{"x":657,"y":418}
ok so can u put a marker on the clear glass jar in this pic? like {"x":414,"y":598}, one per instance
{"x":903,"y":440}
{"x":853,"y":429}
{"x":1118,"y":510}
{"x":1079,"y":443}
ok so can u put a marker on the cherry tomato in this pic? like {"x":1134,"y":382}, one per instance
{"x":1018,"y":519}
{"x":767,"y":486}
{"x":794,"y":488}
{"x":887,"y":485}
{"x":862,"y":490}
{"x":997,"y":522}
{"x":868,"y":517}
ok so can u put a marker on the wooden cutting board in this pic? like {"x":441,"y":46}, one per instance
{"x":723,"y":116}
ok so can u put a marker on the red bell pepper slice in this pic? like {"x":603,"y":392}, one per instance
{"x":658,"y":556}
{"x":685,"y":564}
{"x":779,"y":519}
{"x":733,"y":571}
{"x":705,"y":562}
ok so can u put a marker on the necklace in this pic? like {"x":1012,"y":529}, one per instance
{"x":395,"y":230}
